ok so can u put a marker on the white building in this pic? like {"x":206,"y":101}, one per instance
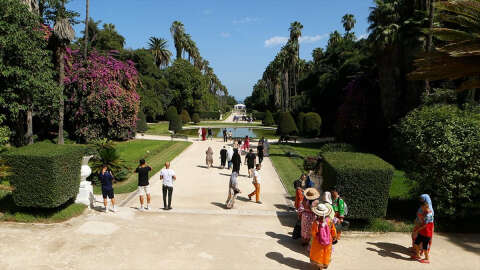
{"x":240,"y":108}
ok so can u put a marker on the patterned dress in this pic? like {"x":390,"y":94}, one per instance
{"x":308,"y":217}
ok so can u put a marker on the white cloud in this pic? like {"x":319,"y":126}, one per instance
{"x":278,"y":40}
{"x":362,"y":36}
{"x":246,"y":20}
{"x":225,"y":34}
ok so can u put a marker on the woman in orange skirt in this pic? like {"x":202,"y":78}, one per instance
{"x":323,"y":234}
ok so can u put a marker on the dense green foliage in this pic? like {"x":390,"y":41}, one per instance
{"x":209,"y":115}
{"x":175,"y":124}
{"x":46,"y":175}
{"x":185,"y":116}
{"x":440,"y":149}
{"x":363,"y":180}
{"x":171,"y":112}
{"x":142,"y":126}
{"x":268,"y":120}
{"x":300,"y":120}
{"x":286,"y":125}
{"x":337,"y":147}
{"x":196,"y":118}
{"x":312,"y":124}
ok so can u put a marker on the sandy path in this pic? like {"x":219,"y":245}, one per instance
{"x":199,"y":234}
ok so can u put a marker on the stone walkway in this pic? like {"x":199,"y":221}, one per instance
{"x":200,"y":234}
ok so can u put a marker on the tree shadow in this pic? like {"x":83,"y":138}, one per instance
{"x":202,"y":166}
{"x":221,"y":205}
{"x":284,"y":207}
{"x":290,"y":262}
{"x":391,"y":250}
{"x":288,"y":242}
{"x":243,"y":199}
{"x":469,"y":242}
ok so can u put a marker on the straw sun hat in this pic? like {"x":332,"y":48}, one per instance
{"x":311,"y":194}
{"x":322,"y":210}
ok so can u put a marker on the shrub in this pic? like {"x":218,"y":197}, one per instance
{"x":440,"y":149}
{"x":142,"y":122}
{"x":175,"y":124}
{"x":276,"y":117}
{"x":268,"y":119}
{"x":287,"y":125}
{"x":196,"y":118}
{"x":337,"y":147}
{"x":45,"y":175}
{"x":258,"y":115}
{"x":209,"y":115}
{"x":300,"y":120}
{"x":185,"y":116}
{"x":171,"y":112}
{"x":109,"y":156}
{"x":362,"y":179}
{"x":312,"y":124}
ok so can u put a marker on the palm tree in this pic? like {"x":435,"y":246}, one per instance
{"x":384,"y":22}
{"x":295,"y":33}
{"x":178,"y":33}
{"x":348,"y":22}
{"x":158,"y":47}
{"x":335,"y":38}
{"x":459,"y":55}
{"x":85,"y":41}
{"x":317,"y":55}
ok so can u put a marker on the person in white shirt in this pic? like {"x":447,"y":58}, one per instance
{"x":168,"y":176}
{"x":256,"y":183}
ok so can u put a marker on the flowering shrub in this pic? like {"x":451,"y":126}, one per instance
{"x":102,"y":101}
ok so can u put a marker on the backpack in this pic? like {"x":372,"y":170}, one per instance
{"x":323,"y":235}
{"x":345,"y":208}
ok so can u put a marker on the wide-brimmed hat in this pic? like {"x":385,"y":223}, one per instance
{"x":322,"y":210}
{"x":311,"y":193}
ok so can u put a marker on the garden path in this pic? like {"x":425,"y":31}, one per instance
{"x":200,"y":234}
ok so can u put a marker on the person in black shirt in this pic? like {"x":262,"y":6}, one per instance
{"x":250,"y":159}
{"x":143,"y":183}
{"x":236,"y":161}
{"x":210,"y":133}
{"x":223,"y":157}
{"x":106,"y":178}
{"x":260,"y":153}
{"x":224,"y":135}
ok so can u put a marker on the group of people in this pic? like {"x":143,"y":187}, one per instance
{"x":204,"y":133}
{"x":320,"y":219}
{"x":237,"y":118}
{"x":167,"y":176}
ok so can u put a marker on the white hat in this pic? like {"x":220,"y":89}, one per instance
{"x":321,"y":210}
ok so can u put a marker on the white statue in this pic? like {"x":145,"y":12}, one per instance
{"x":85,"y":193}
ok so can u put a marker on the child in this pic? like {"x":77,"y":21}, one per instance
{"x":298,"y":193}
{"x":323,"y":235}
{"x":425,"y":233}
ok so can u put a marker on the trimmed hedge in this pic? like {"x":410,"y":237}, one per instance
{"x":185,"y":116}
{"x":142,"y":126}
{"x":45,"y":175}
{"x":287,"y":125}
{"x":209,"y":115}
{"x":258,"y":115}
{"x":175,"y":124}
{"x":268,"y":120}
{"x":337,"y":147}
{"x":312,"y":124}
{"x":196,"y":118}
{"x":300,"y":120}
{"x":363,"y":180}
{"x":171,"y":112}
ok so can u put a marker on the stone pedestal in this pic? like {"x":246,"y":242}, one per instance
{"x":85,"y":193}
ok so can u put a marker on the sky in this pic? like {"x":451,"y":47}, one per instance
{"x":238,"y":38}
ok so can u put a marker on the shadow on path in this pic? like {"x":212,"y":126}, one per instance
{"x":221,"y":205}
{"x":391,"y":250}
{"x":290,"y":262}
{"x":288,"y":242}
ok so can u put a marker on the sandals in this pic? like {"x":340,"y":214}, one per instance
{"x":424,"y":261}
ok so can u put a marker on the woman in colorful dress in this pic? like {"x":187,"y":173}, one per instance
{"x":310,"y":200}
{"x":419,"y":220}
{"x":323,"y":235}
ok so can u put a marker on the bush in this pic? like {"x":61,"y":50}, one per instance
{"x":363,"y":180}
{"x":107,"y":155}
{"x":268,"y":119}
{"x":258,"y":115}
{"x":287,"y":125}
{"x":312,"y":124}
{"x":142,"y":126}
{"x":337,"y":147}
{"x":175,"y":124}
{"x":171,"y":112}
{"x":440,"y":149}
{"x":300,"y":120}
{"x":46,"y":175}
{"x":276,"y":117}
{"x":209,"y":115}
{"x":196,"y":118}
{"x":185,"y":116}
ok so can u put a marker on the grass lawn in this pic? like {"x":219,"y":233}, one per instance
{"x":158,"y":129}
{"x":155,"y":153}
{"x":10,"y":212}
{"x":401,"y":187}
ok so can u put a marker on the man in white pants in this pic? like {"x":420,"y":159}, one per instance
{"x":168,"y":176}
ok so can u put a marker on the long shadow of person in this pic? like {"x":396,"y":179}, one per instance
{"x":290,"y":262}
{"x":288,"y":242}
{"x":391,"y":250}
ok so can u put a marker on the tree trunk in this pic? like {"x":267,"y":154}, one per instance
{"x":85,"y":42}
{"x":61,"y":78}
{"x":29,"y":134}
{"x":428,"y":47}
{"x":286,"y":91}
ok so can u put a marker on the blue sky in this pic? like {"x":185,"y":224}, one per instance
{"x":238,"y":38}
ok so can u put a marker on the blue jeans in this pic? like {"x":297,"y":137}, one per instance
{"x":229,"y":164}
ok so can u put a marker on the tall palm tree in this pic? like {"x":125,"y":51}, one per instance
{"x":348,"y":22}
{"x":178,"y":33}
{"x":384,"y":22}
{"x":317,"y":55}
{"x":295,"y":33}
{"x":335,"y":38}
{"x":459,"y":55}
{"x":161,"y":54}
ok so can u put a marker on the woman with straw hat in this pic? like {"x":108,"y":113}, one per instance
{"x":323,"y":235}
{"x":310,"y":200}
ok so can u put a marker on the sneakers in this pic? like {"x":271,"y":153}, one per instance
{"x":113,"y":209}
{"x":250,"y":197}
{"x":141,"y":208}
{"x":148,"y":207}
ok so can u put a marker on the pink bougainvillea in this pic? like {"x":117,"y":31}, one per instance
{"x":102,"y":101}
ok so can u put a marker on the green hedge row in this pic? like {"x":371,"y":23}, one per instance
{"x":209,"y":115}
{"x":258,"y":115}
{"x":363,"y":180}
{"x":45,"y":175}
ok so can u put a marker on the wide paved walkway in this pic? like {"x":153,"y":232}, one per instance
{"x":200,"y":234}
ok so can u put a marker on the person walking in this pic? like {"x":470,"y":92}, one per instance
{"x":260,"y":152}
{"x":419,"y":221}
{"x":424,"y":234}
{"x":233,"y":190}
{"x":310,"y":200}
{"x":323,"y":235}
{"x":250,"y":160}
{"x":229,"y":156}
{"x":210,"y":133}
{"x":106,"y":179}
{"x":199,"y":133}
{"x":167,"y":175}
{"x":224,"y":135}
{"x":204,"y":134}
{"x":256,"y":183}
{"x":230,"y":135}
{"x":143,"y":183}
{"x":209,"y":158}
{"x":339,"y":208}
{"x":223,"y":157}
{"x":247,"y":143}
{"x":236,"y":161}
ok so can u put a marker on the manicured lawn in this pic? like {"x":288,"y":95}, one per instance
{"x":401,"y":187}
{"x":10,"y":212}
{"x":155,"y":153}
{"x":158,"y":129}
